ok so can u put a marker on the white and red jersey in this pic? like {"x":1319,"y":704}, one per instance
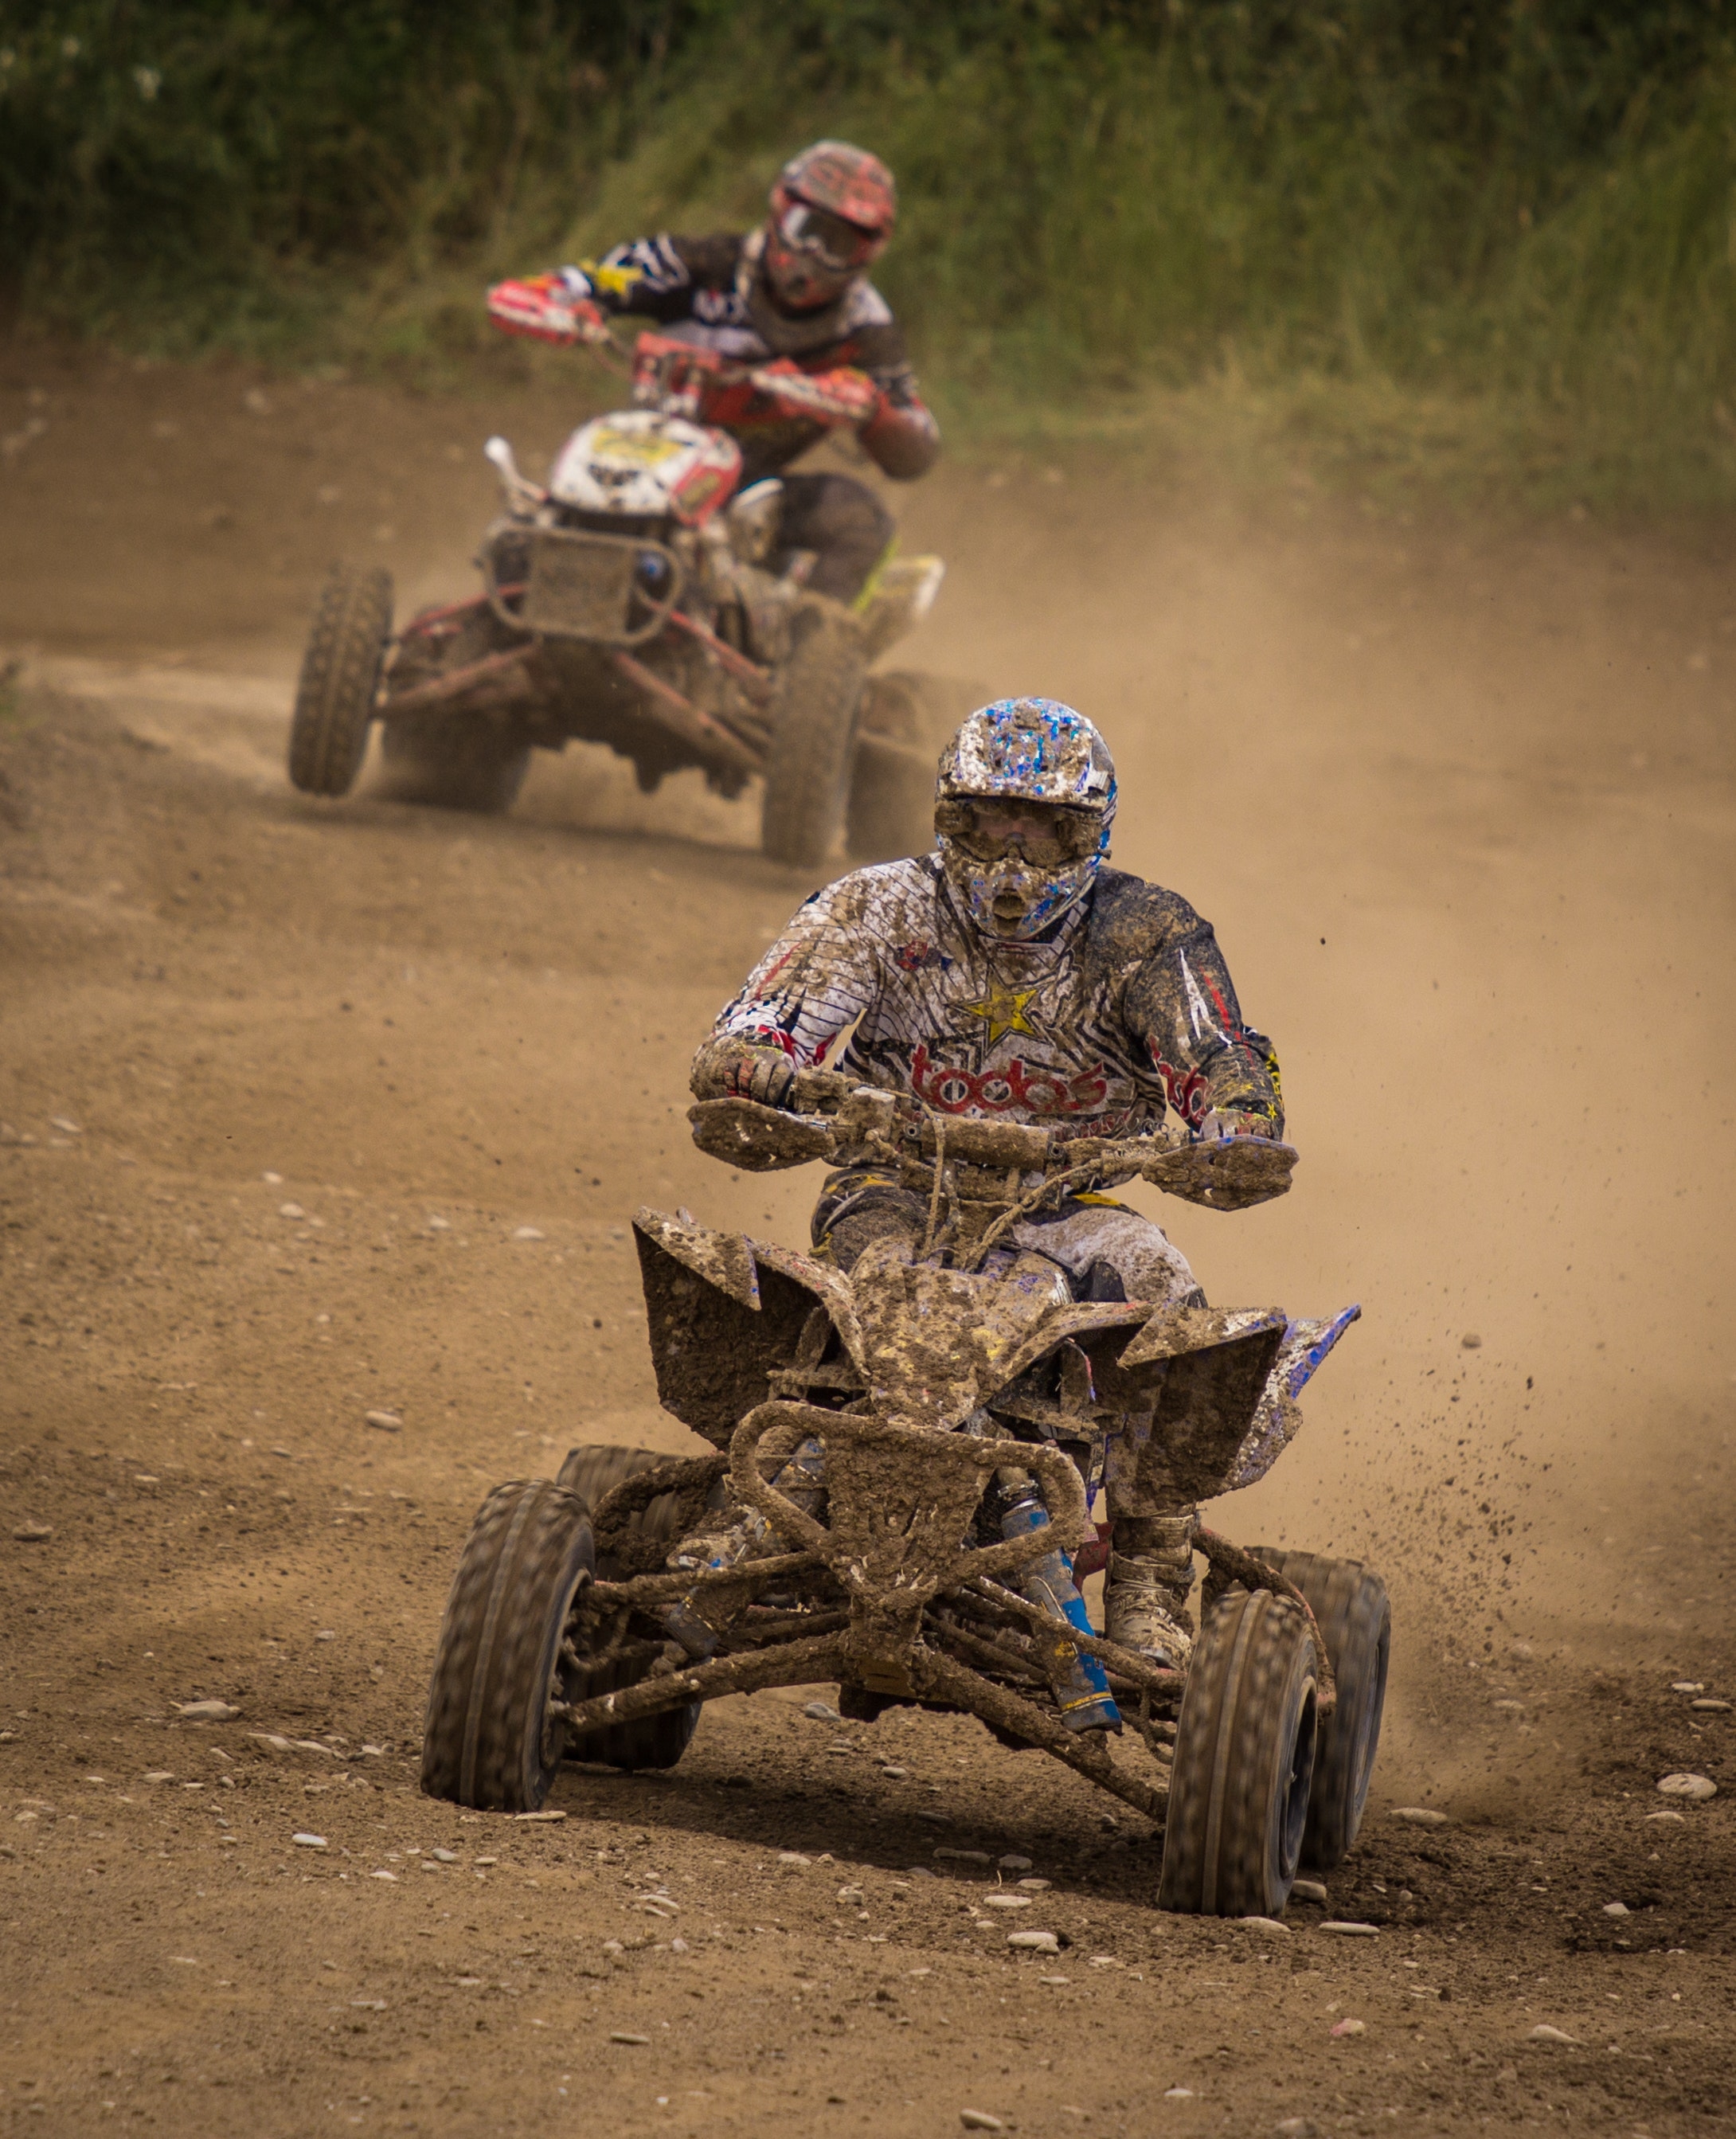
{"x":1123,"y":1008}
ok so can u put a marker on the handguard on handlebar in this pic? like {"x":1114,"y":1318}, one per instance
{"x":1227,"y":1174}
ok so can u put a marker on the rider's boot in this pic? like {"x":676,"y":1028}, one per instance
{"x":1144,"y":1599}
{"x":1080,"y":1688}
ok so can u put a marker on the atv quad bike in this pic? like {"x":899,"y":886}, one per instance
{"x":638,"y":600}
{"x":899,"y":1501}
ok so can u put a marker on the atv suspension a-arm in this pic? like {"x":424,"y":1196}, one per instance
{"x":902,"y":1503}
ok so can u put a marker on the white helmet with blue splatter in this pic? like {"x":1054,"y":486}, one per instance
{"x":1023,"y":808}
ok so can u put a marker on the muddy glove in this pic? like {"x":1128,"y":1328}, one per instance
{"x":764,"y":1073}
{"x":845,"y":396}
{"x":554,"y":308}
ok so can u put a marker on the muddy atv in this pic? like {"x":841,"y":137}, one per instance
{"x":899,"y":1503}
{"x":639,"y":600}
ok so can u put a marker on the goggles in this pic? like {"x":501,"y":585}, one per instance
{"x":827,"y":238}
{"x":988,"y":828}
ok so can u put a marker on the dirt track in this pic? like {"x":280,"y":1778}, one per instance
{"x":1459,"y":801}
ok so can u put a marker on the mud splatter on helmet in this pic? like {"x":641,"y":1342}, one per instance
{"x":833,"y":208}
{"x":1040,"y":753}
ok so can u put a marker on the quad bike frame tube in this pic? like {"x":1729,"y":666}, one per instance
{"x":679,"y":714}
{"x":440,"y":688}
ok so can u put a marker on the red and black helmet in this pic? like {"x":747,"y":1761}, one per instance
{"x":833,"y":208}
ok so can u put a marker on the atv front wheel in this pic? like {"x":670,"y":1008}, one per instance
{"x":648,"y":1741}
{"x":340,"y":679}
{"x":1354,"y":1618}
{"x":488,"y":1739}
{"x":812,"y":738}
{"x":1245,"y":1759}
{"x":454,"y":761}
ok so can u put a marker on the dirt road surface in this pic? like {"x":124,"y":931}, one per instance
{"x":311,"y":1112}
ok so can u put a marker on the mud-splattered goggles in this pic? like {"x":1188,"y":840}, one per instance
{"x":988,"y":827}
{"x":827,"y":238}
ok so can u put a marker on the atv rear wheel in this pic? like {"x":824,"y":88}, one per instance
{"x":454,"y":761}
{"x":650,"y":1741}
{"x":488,"y":1739}
{"x":1354,"y":1618}
{"x":1245,"y":1759}
{"x":340,"y":679}
{"x":813,"y":717}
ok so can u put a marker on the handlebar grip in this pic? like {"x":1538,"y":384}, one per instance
{"x":991,"y":1144}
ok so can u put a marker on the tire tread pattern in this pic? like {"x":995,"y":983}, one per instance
{"x":1352,"y":1608}
{"x":1248,"y":1704}
{"x":340,"y":675}
{"x":813,"y":740}
{"x":484,"y":1740}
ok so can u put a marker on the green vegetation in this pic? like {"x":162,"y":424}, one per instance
{"x":1487,"y":240}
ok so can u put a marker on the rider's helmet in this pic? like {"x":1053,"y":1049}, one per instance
{"x":833,"y":208}
{"x":1023,"y":808}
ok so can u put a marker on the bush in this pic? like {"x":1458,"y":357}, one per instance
{"x":1520,"y":206}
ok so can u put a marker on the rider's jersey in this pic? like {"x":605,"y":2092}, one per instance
{"x":706,"y":291}
{"x":1124,"y":1007}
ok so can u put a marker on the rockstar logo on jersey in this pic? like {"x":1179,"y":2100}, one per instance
{"x":1002,"y":1010}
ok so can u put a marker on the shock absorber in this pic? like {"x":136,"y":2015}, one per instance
{"x":1080,"y":1688}
{"x":803,"y":1479}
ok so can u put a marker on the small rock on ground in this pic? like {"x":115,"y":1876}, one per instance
{"x":388,"y":1421}
{"x":1340,"y":2029}
{"x":1543,"y":2033}
{"x":979,"y":2120}
{"x":1696,"y":1788}
{"x":1352,"y":1931}
{"x":1308,"y":1890}
{"x":1419,"y":1816}
{"x":33,"y":1533}
{"x":821,"y":1712}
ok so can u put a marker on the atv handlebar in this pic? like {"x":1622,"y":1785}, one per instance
{"x":841,"y":1121}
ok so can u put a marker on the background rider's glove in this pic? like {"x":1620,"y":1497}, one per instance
{"x":555,"y":308}
{"x":844,"y":396}
{"x":1234,"y":1122}
{"x":764,"y":1073}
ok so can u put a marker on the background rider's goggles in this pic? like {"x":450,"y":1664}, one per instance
{"x":1048,"y":837}
{"x":827,"y":237}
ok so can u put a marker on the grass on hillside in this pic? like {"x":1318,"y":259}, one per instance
{"x":1112,"y":240}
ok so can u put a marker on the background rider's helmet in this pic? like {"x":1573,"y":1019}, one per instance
{"x":1023,"y":808}
{"x":833,"y":208}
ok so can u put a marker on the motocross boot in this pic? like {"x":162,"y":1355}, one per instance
{"x":1081,"y":1690}
{"x":1144,"y":1599}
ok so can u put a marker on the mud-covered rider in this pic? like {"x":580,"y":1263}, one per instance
{"x":1012,"y":975}
{"x":793,"y":300}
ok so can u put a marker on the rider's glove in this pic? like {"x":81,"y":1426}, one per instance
{"x":845,"y":397}
{"x":1233,"y":1121}
{"x":555,"y":308}
{"x":764,"y":1073}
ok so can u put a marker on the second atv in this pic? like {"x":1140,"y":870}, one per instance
{"x":636,"y":600}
